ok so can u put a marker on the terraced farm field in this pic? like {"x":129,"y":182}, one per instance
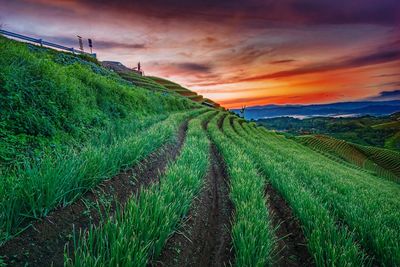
{"x":97,"y":171}
{"x":184,"y":91}
{"x":382,"y":162}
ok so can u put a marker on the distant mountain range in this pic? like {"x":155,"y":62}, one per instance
{"x":345,"y":109}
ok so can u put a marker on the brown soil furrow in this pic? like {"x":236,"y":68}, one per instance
{"x":204,"y":239}
{"x":291,"y":243}
{"x":43,"y":243}
{"x":220,"y":122}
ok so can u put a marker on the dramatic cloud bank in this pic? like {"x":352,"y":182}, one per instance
{"x":386,"y":95}
{"x":237,"y":52}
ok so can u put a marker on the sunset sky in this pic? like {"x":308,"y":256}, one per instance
{"x":235,"y":52}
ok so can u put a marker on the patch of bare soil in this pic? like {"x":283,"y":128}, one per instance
{"x":291,"y":245}
{"x":43,"y":243}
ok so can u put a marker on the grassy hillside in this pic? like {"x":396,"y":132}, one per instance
{"x":51,"y":99}
{"x":99,"y":171}
{"x":59,"y":113}
{"x":132,"y":76}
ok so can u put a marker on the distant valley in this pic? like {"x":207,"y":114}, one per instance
{"x":379,"y":131}
{"x":341,"y":109}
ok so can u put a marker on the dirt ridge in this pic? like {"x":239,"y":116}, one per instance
{"x":204,"y":239}
{"x":221,"y":121}
{"x":43,"y":243}
{"x":291,"y":243}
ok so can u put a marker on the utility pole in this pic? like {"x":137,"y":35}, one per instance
{"x":90,"y":45}
{"x":80,"y":42}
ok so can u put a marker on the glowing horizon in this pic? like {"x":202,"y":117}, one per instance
{"x":235,"y":52}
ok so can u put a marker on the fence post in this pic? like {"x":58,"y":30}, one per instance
{"x":73,"y":50}
{"x":41,"y":42}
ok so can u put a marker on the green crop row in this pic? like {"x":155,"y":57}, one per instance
{"x":58,"y":179}
{"x":329,"y":245}
{"x":356,"y":154}
{"x":138,"y":233}
{"x":252,"y":234}
{"x":142,"y":81}
{"x":357,"y":201}
{"x":368,"y":206}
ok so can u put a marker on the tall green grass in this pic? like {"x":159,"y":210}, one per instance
{"x":367,"y":206}
{"x":138,"y":233}
{"x":252,"y":233}
{"x":329,"y":244}
{"x":66,"y":124}
{"x":39,"y":187}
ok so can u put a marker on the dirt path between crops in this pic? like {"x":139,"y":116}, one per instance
{"x":205,"y":237}
{"x":220,"y":122}
{"x":44,"y":242}
{"x":291,"y":245}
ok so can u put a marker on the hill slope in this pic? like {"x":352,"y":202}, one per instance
{"x":184,"y":92}
{"x":157,"y":83}
{"x":68,"y":122}
{"x":53,"y":98}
